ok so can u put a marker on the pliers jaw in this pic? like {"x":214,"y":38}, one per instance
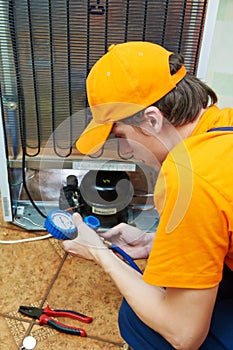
{"x":30,"y":311}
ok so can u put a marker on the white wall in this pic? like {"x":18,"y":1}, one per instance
{"x":220,"y":68}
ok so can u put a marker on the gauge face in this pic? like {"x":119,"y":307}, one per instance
{"x":63,"y":221}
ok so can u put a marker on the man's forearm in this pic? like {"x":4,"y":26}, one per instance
{"x":173,"y":314}
{"x":142,"y":297}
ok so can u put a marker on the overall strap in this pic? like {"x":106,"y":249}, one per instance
{"x":222,"y":128}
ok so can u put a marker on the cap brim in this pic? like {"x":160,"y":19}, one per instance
{"x":93,"y":137}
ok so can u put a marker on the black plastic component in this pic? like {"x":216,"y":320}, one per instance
{"x":106,"y":195}
{"x":70,"y":195}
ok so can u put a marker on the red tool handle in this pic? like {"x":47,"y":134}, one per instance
{"x":45,"y":320}
{"x":67,"y":313}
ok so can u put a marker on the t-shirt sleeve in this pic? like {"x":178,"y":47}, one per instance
{"x":192,"y":237}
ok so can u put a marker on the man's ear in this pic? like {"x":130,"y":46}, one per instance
{"x":154,"y":119}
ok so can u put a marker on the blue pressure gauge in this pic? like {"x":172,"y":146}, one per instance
{"x":60,"y":224}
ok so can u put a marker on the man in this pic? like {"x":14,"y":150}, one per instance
{"x":184,"y":300}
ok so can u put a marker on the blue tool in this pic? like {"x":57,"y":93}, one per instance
{"x":126,"y":257}
{"x":60,"y":224}
{"x":92,"y":221}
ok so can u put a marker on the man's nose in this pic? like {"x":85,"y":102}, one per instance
{"x":124,"y":149}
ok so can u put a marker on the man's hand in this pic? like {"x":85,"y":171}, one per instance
{"x":86,"y":242}
{"x":131,"y":239}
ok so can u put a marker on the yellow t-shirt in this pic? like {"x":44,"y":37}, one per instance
{"x":194,"y":197}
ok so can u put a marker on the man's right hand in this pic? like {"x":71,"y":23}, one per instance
{"x":131,"y":239}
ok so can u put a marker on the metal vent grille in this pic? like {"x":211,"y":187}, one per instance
{"x":47,"y":48}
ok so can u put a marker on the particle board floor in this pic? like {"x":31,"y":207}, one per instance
{"x":39,"y":273}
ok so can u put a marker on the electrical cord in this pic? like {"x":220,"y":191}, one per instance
{"x":33,"y":239}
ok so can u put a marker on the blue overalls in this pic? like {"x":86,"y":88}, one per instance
{"x":220,"y":337}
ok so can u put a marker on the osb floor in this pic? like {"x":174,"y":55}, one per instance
{"x":40,"y":273}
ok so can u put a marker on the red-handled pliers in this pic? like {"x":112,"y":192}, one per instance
{"x":43,"y":315}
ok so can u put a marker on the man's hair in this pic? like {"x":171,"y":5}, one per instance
{"x":183,"y":104}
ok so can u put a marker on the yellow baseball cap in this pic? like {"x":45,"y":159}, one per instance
{"x":128,"y":78}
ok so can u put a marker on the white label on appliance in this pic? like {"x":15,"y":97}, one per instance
{"x":103,"y":165}
{"x":104,"y":211}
